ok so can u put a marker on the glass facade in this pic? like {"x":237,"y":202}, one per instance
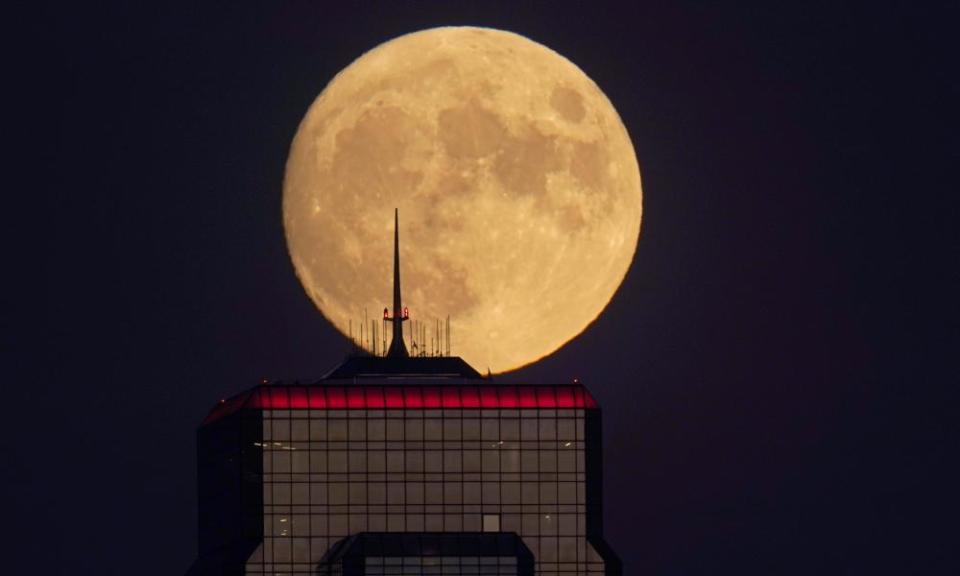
{"x":288,"y":473}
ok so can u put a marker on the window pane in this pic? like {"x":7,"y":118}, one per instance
{"x":451,"y":429}
{"x":528,"y":429}
{"x":548,"y":460}
{"x":491,"y":461}
{"x":299,"y":430}
{"x":301,"y":461}
{"x":471,"y":460}
{"x":452,"y":461}
{"x":491,"y":429}
{"x":509,"y":429}
{"x":433,"y":429}
{"x":395,"y":493}
{"x":318,"y":493}
{"x":491,"y":493}
{"x":510,"y":460}
{"x":511,"y":492}
{"x":394,"y":429}
{"x":433,"y":493}
{"x":394,"y":461}
{"x":376,"y":461}
{"x":358,"y":461}
{"x":358,"y":493}
{"x":414,"y":493}
{"x":358,"y":430}
{"x":471,"y":429}
{"x":414,"y":430}
{"x":338,"y":461}
{"x":338,"y":492}
{"x":376,"y":429}
{"x":548,"y":429}
{"x":548,"y":492}
{"x":377,"y":492}
{"x":318,"y":430}
{"x":433,"y":461}
{"x":471,"y":492}
{"x":414,"y":461}
{"x":452,"y":493}
{"x":301,"y":493}
{"x":337,"y":430}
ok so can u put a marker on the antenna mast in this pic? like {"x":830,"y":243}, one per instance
{"x":398,"y":349}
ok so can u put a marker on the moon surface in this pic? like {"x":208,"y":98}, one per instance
{"x":517,"y":184}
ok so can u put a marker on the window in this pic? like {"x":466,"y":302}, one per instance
{"x":433,"y":429}
{"x":491,"y":522}
{"x":337,"y":431}
{"x":491,"y":429}
{"x":471,"y":429}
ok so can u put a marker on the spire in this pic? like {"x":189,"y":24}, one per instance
{"x":397,"y":346}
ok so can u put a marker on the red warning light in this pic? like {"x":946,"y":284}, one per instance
{"x":406,"y":312}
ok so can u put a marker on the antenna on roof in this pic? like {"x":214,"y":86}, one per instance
{"x":398,"y":349}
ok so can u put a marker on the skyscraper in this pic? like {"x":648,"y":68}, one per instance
{"x":402,"y":464}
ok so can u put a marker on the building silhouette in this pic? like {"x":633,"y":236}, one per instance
{"x":400,"y":464}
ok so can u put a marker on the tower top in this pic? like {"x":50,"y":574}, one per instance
{"x":398,"y":349}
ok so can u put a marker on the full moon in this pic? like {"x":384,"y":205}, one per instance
{"x":516,"y":182}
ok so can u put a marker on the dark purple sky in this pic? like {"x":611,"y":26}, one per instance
{"x":771,"y":370}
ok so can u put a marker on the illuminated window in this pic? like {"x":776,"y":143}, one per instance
{"x":491,"y":522}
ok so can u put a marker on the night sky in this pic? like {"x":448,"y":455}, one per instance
{"x":772,"y":371}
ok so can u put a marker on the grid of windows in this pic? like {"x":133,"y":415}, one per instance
{"x":328,"y":474}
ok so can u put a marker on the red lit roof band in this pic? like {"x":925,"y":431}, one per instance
{"x":405,"y":397}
